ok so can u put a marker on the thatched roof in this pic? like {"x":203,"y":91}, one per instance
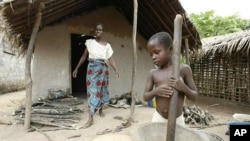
{"x":18,"y":16}
{"x":230,"y":44}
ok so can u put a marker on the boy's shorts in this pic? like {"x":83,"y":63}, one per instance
{"x":158,"y":118}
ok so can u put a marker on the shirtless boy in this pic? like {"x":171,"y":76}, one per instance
{"x":160,"y":82}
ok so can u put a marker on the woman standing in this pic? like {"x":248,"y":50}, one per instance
{"x":97,"y":79}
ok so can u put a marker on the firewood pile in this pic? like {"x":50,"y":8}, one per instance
{"x":58,"y":109}
{"x":194,"y":115}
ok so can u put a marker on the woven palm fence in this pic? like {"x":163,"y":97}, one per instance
{"x":222,"y":67}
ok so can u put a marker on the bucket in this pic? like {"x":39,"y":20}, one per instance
{"x":158,"y":131}
{"x":152,"y":103}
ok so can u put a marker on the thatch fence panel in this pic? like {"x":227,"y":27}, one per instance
{"x":221,"y":77}
{"x":222,"y":67}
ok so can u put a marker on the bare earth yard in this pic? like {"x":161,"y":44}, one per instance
{"x":9,"y":102}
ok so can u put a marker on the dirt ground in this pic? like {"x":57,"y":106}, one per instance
{"x":9,"y":102}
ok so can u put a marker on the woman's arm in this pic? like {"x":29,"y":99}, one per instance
{"x":113,"y":65}
{"x":81,"y":61}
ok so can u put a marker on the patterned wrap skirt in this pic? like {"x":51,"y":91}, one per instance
{"x":97,"y":81}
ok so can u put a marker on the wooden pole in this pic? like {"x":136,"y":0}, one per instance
{"x":133,"y":93}
{"x":248,"y":82}
{"x":28,"y":78}
{"x":176,"y":73}
{"x":186,"y":51}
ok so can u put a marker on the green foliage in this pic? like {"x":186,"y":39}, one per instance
{"x":183,"y":60}
{"x":209,"y":25}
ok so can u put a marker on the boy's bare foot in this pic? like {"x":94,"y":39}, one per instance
{"x":89,"y":123}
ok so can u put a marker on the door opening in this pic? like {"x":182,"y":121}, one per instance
{"x":78,"y":84}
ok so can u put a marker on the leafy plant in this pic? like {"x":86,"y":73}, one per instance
{"x":209,"y":25}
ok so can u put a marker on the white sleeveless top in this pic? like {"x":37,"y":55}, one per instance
{"x":97,"y":50}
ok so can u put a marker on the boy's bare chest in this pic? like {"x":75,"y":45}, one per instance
{"x":162,"y":77}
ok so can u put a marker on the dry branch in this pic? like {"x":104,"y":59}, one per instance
{"x":194,"y":115}
{"x":74,"y":136}
{"x":52,"y":112}
{"x":64,"y":126}
{"x":72,"y":116}
{"x":203,"y":127}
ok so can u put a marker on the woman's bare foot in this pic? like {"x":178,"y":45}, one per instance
{"x":101,"y":114}
{"x":88,"y":123}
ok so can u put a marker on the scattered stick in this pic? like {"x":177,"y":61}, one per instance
{"x":6,"y":122}
{"x":203,"y":127}
{"x":69,"y":100}
{"x":61,"y":117}
{"x":51,"y":111}
{"x":13,"y":102}
{"x":38,"y":130}
{"x":75,"y":136}
{"x":71,"y":127}
{"x":213,"y":105}
{"x":55,"y":129}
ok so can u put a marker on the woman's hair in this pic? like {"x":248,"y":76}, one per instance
{"x":163,"y":38}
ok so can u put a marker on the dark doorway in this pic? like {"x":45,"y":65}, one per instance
{"x":77,"y":49}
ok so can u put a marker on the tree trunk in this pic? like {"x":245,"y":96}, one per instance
{"x":176,"y":73}
{"x":133,"y":93}
{"x":28,"y":78}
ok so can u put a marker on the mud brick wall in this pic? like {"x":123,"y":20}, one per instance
{"x":12,"y":75}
